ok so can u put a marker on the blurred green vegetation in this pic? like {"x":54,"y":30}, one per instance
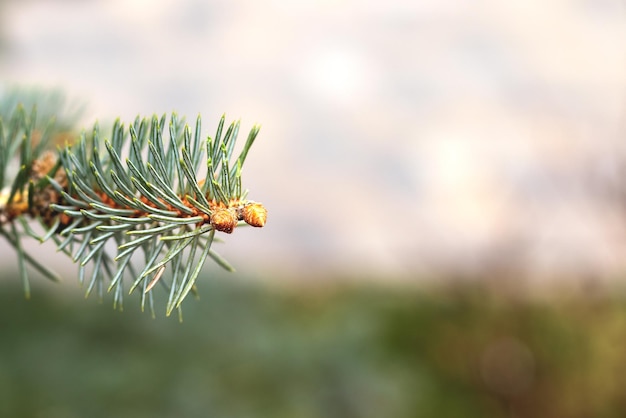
{"x":252,"y":350}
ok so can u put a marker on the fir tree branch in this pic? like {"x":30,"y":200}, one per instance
{"x":137,"y":190}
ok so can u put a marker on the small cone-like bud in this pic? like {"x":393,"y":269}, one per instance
{"x":255,"y":214}
{"x":223,"y":219}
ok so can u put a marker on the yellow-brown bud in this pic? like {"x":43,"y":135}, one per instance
{"x":254,"y":214}
{"x":224,"y":219}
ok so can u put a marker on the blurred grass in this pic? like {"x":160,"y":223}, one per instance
{"x":249,"y":350}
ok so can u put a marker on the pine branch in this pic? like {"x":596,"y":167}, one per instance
{"x":105,"y":200}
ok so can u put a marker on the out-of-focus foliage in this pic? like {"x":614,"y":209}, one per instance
{"x":248,"y":351}
{"x":51,"y":104}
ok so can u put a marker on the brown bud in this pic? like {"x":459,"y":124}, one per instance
{"x":43,"y":165}
{"x":254,"y":214}
{"x":223,"y":219}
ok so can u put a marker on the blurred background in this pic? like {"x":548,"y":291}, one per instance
{"x":446,"y":231}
